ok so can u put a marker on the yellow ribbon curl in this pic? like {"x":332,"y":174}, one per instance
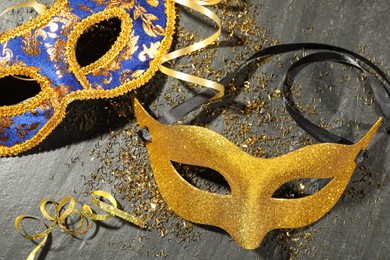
{"x":66,"y":208}
{"x":39,"y":8}
{"x":197,"y":6}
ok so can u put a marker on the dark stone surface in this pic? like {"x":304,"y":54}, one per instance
{"x":358,"y":227}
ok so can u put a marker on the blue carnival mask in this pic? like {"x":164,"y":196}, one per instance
{"x":44,"y":50}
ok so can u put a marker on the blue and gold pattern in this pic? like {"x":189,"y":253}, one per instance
{"x":44,"y":49}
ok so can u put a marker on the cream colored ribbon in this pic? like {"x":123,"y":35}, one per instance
{"x":39,"y":8}
{"x":197,"y":6}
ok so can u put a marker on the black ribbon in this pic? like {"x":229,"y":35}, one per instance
{"x":376,"y":78}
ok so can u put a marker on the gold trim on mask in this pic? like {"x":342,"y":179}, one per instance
{"x":46,"y":92}
{"x":60,"y":109}
{"x":250,"y":211}
{"x":120,"y":43}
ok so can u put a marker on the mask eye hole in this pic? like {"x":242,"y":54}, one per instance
{"x":203,"y":178}
{"x":300,"y":188}
{"x":97,"y":40}
{"x":17,"y":89}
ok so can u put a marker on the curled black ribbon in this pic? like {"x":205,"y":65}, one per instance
{"x":376,"y":78}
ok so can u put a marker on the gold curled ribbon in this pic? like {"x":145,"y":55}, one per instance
{"x":66,"y":208}
{"x":23,"y":78}
{"x":197,"y":6}
{"x":112,"y":210}
{"x":43,"y":234}
{"x":39,"y":8}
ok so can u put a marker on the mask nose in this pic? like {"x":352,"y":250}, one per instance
{"x":251,"y":223}
{"x":251,"y":238}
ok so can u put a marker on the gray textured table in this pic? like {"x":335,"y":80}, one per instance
{"x":97,"y":140}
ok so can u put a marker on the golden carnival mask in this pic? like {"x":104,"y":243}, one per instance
{"x":44,"y":50}
{"x":250,"y":211}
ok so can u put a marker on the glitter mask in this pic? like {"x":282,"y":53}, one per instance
{"x":44,"y":50}
{"x":250,"y":211}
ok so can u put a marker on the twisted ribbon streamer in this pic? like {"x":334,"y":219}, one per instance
{"x":39,"y":8}
{"x":197,"y":6}
{"x":66,"y":208}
